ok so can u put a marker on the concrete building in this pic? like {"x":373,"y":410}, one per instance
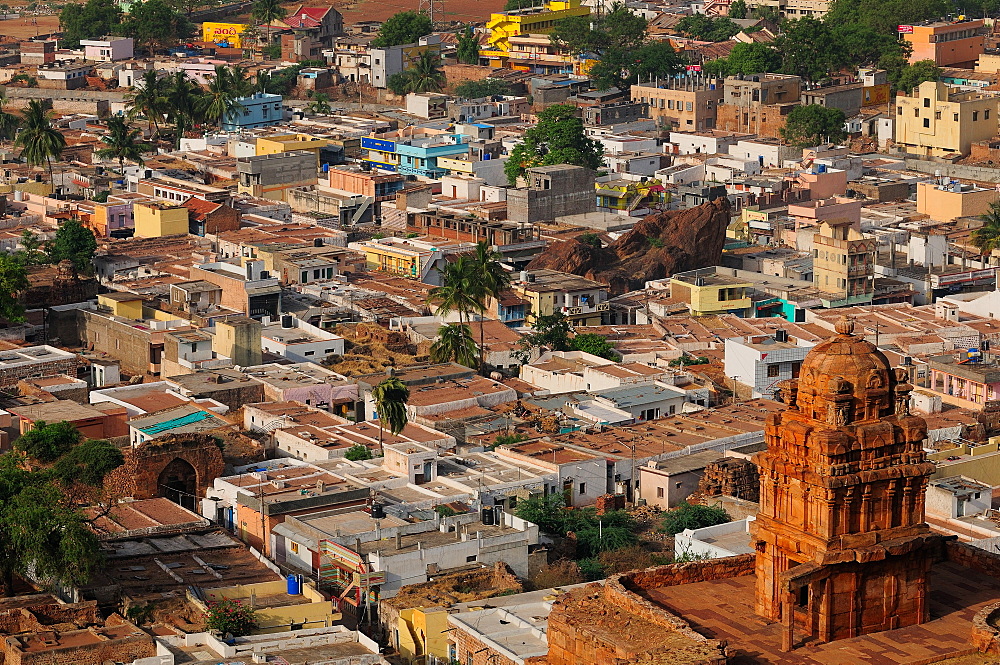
{"x":715,"y":542}
{"x":155,"y":219}
{"x":32,"y":361}
{"x":238,"y":338}
{"x":107,"y":49}
{"x":666,"y":483}
{"x":936,"y":121}
{"x":583,"y":301}
{"x":706,"y":291}
{"x":552,"y":192}
{"x":245,"y":288}
{"x":947,"y":43}
{"x":394,"y":59}
{"x":844,"y":264}
{"x":64,"y":74}
{"x":761,"y":362}
{"x":259,"y":110}
{"x":685,"y":104}
{"x":947,"y":202}
{"x":271,"y":176}
{"x":380,"y":186}
{"x":291,"y":337}
{"x":958,"y":496}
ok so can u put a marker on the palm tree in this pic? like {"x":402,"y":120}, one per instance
{"x":148,"y":100}
{"x":239,"y":79}
{"x":266,"y":12}
{"x":454,"y":342}
{"x":425,"y":75}
{"x":488,"y":280}
{"x":184,"y":109}
{"x":40,"y":142}
{"x":8,"y":122}
{"x":455,"y":293}
{"x":987,"y":237}
{"x":218,"y":103}
{"x":123,"y":143}
{"x":320,"y":104}
{"x":391,"y":396}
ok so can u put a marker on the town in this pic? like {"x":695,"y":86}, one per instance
{"x":529,"y":332}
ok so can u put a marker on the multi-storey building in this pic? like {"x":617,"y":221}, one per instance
{"x":684,"y":104}
{"x":934,"y":120}
{"x":583,"y":301}
{"x":416,"y":154}
{"x":505,"y":26}
{"x":843,"y":264}
{"x":947,"y":43}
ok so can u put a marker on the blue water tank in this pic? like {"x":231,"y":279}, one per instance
{"x":326,"y":168}
{"x":821,"y":168}
{"x":294,"y":585}
{"x":711,"y":86}
{"x":487,"y":156}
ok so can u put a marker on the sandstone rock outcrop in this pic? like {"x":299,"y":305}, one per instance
{"x":657,"y":247}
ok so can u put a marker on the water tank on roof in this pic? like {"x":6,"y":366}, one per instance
{"x":487,"y":516}
{"x":286,"y":320}
{"x":821,"y":168}
{"x":294,"y":586}
{"x":378,"y":511}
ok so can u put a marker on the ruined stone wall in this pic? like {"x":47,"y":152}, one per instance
{"x":138,"y":476}
{"x":731,"y":476}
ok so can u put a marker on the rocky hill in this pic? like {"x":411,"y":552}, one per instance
{"x":657,"y":247}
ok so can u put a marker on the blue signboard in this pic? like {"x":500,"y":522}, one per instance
{"x":370,"y":143}
{"x":381,"y":165}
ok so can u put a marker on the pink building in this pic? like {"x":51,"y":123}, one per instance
{"x":107,"y":49}
{"x":835,"y":207}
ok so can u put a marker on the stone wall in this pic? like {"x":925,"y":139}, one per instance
{"x":980,"y":173}
{"x":138,"y":477}
{"x":731,"y":476}
{"x":117,"y":641}
{"x":688,"y":573}
{"x":765,"y":122}
{"x":132,"y":346}
{"x":12,"y":375}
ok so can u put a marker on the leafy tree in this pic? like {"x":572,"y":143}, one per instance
{"x":90,"y":20}
{"x":487,"y":87}
{"x":514,"y":5}
{"x":403,"y":28}
{"x":908,"y":77}
{"x":738,"y":9}
{"x":619,"y":67}
{"x":558,"y":138}
{"x":183,"y":109}
{"x":545,"y":511}
{"x":445,"y":511}
{"x":885,"y":15}
{"x":271,"y":51}
{"x":488,"y":280}
{"x":693,"y":516}
{"x":594,"y":344}
{"x":706,"y":28}
{"x":124,"y":144}
{"x":320,"y":104}
{"x":398,"y":83}
{"x":29,"y":248}
{"x":188,"y":6}
{"x":456,"y":292}
{"x":507,"y":440}
{"x":231,"y":617}
{"x":8,"y":121}
{"x":467,"y":50}
{"x":267,"y":12}
{"x":767,"y":13}
{"x":426,"y":75}
{"x":154,"y":25}
{"x":595,"y":539}
{"x":28,"y":80}
{"x":358,"y":452}
{"x":805,"y":48}
{"x":551,"y":331}
{"x":590,"y":238}
{"x":48,"y":442}
{"x":40,"y":142}
{"x":88,"y":462}
{"x":13,"y":280}
{"x":812,"y":124}
{"x":986,"y":238}
{"x":101,"y":197}
{"x":148,"y":99}
{"x":745,"y":59}
{"x":219,"y":102}
{"x":454,"y":343}
{"x":391,"y":396}
{"x":75,"y":242}
{"x":591,"y":569}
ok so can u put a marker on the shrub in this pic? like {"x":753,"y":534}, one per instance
{"x":445,"y":511}
{"x":693,"y":516}
{"x":358,"y":452}
{"x":231,"y":617}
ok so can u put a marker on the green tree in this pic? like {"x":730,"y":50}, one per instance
{"x":986,"y":238}
{"x":886,"y":15}
{"x":154,"y":25}
{"x":40,"y":142}
{"x":148,"y":99}
{"x":806,"y":49}
{"x":219,"y":102}
{"x":487,"y":87}
{"x":813,"y":124}
{"x":745,"y":59}
{"x":548,"y":512}
{"x":320,"y":104}
{"x":456,"y":291}
{"x":88,"y":462}
{"x":358,"y":452}
{"x":231,"y":617}
{"x":403,"y":28}
{"x":188,"y":6}
{"x":426,"y":75}
{"x":75,"y":242}
{"x":590,"y":238}
{"x":595,"y":539}
{"x":767,"y":13}
{"x":550,"y":331}
{"x":29,"y":246}
{"x":620,"y":67}
{"x":558,"y":138}
{"x":13,"y":280}
{"x":706,"y":28}
{"x":693,"y":516}
{"x":391,"y":396}
{"x":594,"y":344}
{"x":9,"y":122}
{"x":48,"y":442}
{"x":90,"y":20}
{"x":454,"y":343}
{"x":738,"y":9}
{"x":514,"y":5}
{"x":267,"y":12}
{"x":467,"y":51}
{"x":445,"y":511}
{"x":183,"y":109}
{"x":123,"y":144}
{"x":908,"y":77}
{"x":488,"y":280}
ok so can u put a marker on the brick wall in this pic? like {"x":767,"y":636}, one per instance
{"x":12,"y":375}
{"x":138,"y":476}
{"x":764,"y":121}
{"x":131,"y":346}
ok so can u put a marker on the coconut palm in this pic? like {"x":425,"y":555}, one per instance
{"x":219,"y":101}
{"x":266,"y":12}
{"x":425,"y":75}
{"x":391,"y":396}
{"x":239,"y":79}
{"x":987,"y":237}
{"x":148,"y":100}
{"x":123,"y":143}
{"x":456,"y":293}
{"x":488,"y":279}
{"x":8,"y":122}
{"x":40,"y":142}
{"x":183,"y":105}
{"x":454,"y":342}
{"x":320,"y":104}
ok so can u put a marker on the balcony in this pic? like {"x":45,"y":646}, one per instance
{"x":585,"y":309}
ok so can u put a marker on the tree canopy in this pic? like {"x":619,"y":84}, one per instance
{"x":745,"y":59}
{"x":558,"y":138}
{"x":813,"y":124}
{"x":155,"y":25}
{"x":13,"y":280}
{"x":487,"y":87}
{"x":693,"y":516}
{"x":403,"y":28}
{"x":908,"y":77}
{"x":48,"y":442}
{"x":89,"y":20}
{"x":706,"y":28}
{"x":75,"y":242}
{"x":594,"y":344}
{"x":467,"y":50}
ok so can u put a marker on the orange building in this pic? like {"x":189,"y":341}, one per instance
{"x":948,"y":44}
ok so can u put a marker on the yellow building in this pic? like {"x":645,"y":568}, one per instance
{"x":155,"y":219}
{"x":933,"y":121}
{"x":276,"y":610}
{"x":422,"y":633}
{"x":219,"y":33}
{"x":843,"y":264}
{"x":272,"y":145}
{"x":708,"y":292}
{"x":953,"y":200}
{"x":238,"y":338}
{"x":583,"y":301}
{"x":529,"y":21}
{"x":125,"y":305}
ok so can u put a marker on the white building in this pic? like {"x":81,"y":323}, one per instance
{"x":958,"y":496}
{"x":291,"y":337}
{"x":715,"y":542}
{"x":705,"y":143}
{"x":762,"y":361}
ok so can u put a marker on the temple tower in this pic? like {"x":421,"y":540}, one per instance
{"x":842,"y":547}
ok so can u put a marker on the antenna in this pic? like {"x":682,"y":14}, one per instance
{"x":434,"y":10}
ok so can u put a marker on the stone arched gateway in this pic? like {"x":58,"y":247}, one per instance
{"x":180,"y":468}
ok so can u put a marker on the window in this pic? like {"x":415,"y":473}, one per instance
{"x":986,"y":114}
{"x":659,"y":492}
{"x":927,"y":102}
{"x":470,"y":559}
{"x":937,"y":115}
{"x":899,"y":110}
{"x":916,"y":113}
{"x":975,"y":116}
{"x":293,"y":547}
{"x":329,"y":350}
{"x":772,"y":370}
{"x":927,"y":122}
{"x":309,"y":353}
{"x":955,"y":117}
{"x":583,"y":488}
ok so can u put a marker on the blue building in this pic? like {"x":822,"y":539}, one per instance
{"x":414,"y":155}
{"x":258,"y":110}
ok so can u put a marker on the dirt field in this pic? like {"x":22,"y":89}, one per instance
{"x":22,"y":28}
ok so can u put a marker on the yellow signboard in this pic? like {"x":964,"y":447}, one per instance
{"x":219,"y":33}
